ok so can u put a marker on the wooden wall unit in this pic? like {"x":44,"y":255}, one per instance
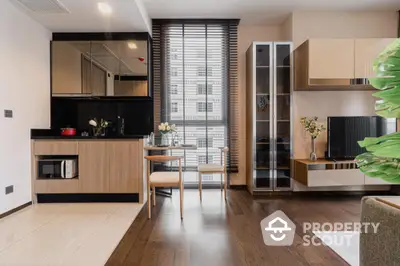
{"x":324,"y":173}
{"x":105,"y":166}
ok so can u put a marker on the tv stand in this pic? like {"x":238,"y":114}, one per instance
{"x":325,"y":173}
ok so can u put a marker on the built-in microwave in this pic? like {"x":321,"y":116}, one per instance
{"x":57,"y":168}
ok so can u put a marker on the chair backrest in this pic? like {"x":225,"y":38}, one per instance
{"x":162,"y":158}
{"x":224,"y":156}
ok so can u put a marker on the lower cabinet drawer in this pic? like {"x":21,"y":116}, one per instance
{"x":45,"y":147}
{"x":344,"y":177}
{"x":57,"y":186}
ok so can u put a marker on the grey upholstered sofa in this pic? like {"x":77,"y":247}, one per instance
{"x":382,"y":248}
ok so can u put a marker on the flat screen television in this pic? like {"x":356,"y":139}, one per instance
{"x":345,"y":131}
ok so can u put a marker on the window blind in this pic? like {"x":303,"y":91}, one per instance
{"x":195,"y":86}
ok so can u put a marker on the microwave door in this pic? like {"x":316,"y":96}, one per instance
{"x":63,"y":169}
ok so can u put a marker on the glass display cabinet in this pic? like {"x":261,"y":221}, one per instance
{"x":269,"y":116}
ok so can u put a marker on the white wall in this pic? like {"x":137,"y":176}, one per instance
{"x":24,"y":88}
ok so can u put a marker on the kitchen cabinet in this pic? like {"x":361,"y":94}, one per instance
{"x":100,"y":68}
{"x":331,"y":58}
{"x":366,"y":51}
{"x":93,"y":167}
{"x":124,"y":165}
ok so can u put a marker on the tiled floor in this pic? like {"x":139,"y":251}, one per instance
{"x":64,"y":234}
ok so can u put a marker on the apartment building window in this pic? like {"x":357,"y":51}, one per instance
{"x":201,"y":71}
{"x":204,"y":159}
{"x":204,"y":107}
{"x":201,"y":89}
{"x":174,"y":107}
{"x":206,"y":54}
{"x":205,"y":142}
{"x":174,"y":89}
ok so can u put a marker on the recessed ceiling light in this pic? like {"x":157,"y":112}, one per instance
{"x":132,"y":45}
{"x":104,"y":8}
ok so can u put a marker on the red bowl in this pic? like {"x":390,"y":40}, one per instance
{"x":68,"y":131}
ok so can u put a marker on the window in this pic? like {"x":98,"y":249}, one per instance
{"x":174,"y":89}
{"x":202,"y":142}
{"x":206,"y":114}
{"x":202,"y":159}
{"x":174,"y":56}
{"x":201,"y":71}
{"x":201,"y":89}
{"x":174,"y":72}
{"x":203,"y":107}
{"x":174,"y":107}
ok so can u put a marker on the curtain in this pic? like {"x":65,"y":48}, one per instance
{"x":195,"y":86}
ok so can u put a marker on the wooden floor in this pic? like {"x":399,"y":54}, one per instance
{"x":216,"y":233}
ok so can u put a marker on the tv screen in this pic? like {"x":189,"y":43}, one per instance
{"x":345,"y":131}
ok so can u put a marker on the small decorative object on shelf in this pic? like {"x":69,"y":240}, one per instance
{"x":314,"y":129}
{"x":99,"y":128}
{"x":165,"y":129}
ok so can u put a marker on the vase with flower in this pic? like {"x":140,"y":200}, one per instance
{"x":165,"y":130}
{"x":314,"y":128}
{"x":99,"y":127}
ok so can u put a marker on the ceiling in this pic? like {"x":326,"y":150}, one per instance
{"x":84,"y":16}
{"x":258,"y":12}
{"x":135,"y":15}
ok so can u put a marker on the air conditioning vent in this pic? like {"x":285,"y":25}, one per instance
{"x":44,"y":6}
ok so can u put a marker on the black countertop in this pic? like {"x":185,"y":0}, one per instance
{"x":52,"y":134}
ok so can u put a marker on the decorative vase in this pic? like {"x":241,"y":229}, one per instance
{"x":313,"y":154}
{"x":99,"y":132}
{"x":164,"y":139}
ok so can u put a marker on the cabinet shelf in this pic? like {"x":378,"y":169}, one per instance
{"x":56,"y":179}
{"x":262,"y":66}
{"x":262,"y":120}
{"x":262,"y":143}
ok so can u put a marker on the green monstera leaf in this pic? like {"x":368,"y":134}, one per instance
{"x":382,"y":159}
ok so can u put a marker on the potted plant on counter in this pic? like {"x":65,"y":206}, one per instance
{"x":99,"y":128}
{"x":314,"y":129}
{"x":382,"y":159}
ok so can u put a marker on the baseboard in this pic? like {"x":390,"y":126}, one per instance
{"x":15,"y":209}
{"x":319,"y":194}
{"x":81,"y":198}
{"x":238,"y":187}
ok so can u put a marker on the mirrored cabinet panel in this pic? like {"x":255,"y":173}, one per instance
{"x":100,"y":68}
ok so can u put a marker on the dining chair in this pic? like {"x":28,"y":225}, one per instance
{"x":163,"y":179}
{"x":215,"y":169}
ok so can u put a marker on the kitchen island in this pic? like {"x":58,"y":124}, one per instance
{"x":108,"y":169}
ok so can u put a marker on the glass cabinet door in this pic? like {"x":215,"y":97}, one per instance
{"x":282,"y":110}
{"x":263,"y":110}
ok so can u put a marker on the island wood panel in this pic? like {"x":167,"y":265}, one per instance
{"x":125,"y":167}
{"x":93,"y":167}
{"x":56,"y":186}
{"x":62,"y":147}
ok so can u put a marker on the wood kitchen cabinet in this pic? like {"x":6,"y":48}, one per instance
{"x":93,"y":167}
{"x":331,"y":58}
{"x":123,"y":157}
{"x":366,"y":51}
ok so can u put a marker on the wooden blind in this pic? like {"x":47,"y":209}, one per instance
{"x":195,"y":85}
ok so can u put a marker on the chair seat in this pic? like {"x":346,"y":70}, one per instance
{"x":210,"y":168}
{"x":164,"y":177}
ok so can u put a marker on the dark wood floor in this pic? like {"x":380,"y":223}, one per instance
{"x":216,"y":233}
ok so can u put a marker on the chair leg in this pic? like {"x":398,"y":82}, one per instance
{"x":225,"y":184}
{"x":221,"y":182}
{"x":149,"y":201}
{"x":200,"y":187}
{"x":154,"y":196}
{"x":181,"y":200}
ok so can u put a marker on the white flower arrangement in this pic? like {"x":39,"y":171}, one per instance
{"x":165,"y":128}
{"x":98,"y":126}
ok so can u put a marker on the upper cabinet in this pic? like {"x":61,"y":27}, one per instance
{"x":100,"y":68}
{"x":331,"y":58}
{"x":366,"y":51}
{"x":336,"y":64}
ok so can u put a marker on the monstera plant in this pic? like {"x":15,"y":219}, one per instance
{"x":382,"y":159}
